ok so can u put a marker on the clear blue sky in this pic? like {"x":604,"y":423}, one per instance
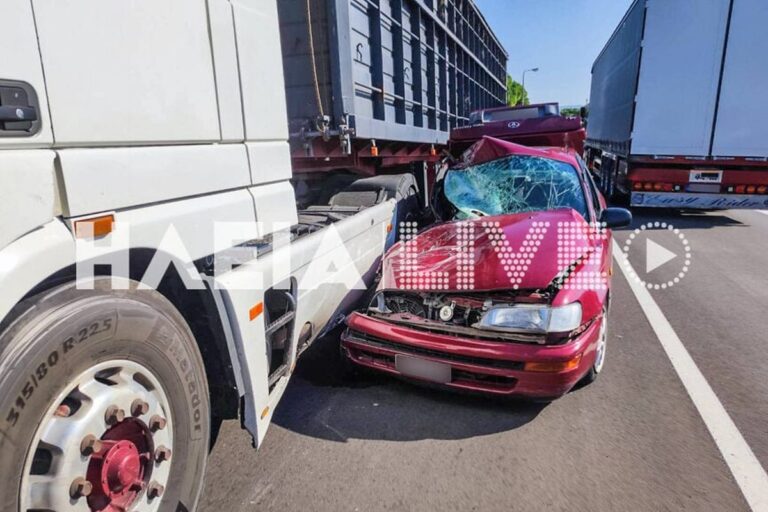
{"x":560,"y":37}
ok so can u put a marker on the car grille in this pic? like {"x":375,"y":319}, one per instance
{"x":372,"y":341}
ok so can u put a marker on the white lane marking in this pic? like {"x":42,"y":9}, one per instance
{"x":764,"y":212}
{"x":746,"y":469}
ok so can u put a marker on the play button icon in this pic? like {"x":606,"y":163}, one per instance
{"x":656,"y":256}
{"x":647,"y":241}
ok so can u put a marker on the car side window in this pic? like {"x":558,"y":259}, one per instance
{"x":593,"y":191}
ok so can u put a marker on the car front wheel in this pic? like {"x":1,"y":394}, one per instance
{"x":602,"y":340}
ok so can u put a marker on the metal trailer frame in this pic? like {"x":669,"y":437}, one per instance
{"x":380,"y":83}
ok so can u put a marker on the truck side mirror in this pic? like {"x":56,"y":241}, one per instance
{"x":616,"y":217}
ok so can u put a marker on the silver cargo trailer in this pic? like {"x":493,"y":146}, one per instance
{"x":677,"y":107}
{"x":375,"y":84}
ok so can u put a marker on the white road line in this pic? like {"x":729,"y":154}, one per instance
{"x":764,"y":212}
{"x":749,"y":474}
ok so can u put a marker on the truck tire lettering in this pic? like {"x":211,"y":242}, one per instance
{"x":26,"y":393}
{"x":13,"y":417}
{"x":41,"y":371}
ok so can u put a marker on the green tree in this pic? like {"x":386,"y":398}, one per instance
{"x":516,"y":95}
{"x":582,"y":112}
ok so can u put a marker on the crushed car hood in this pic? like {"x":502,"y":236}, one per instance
{"x":505,"y":252}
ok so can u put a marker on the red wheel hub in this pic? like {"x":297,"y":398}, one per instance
{"x":120,"y":470}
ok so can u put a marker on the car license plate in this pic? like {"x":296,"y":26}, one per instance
{"x":705,"y":176}
{"x":423,"y":369}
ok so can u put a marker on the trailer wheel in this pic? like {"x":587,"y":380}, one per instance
{"x":104,"y":403}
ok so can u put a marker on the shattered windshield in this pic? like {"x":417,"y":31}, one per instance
{"x":514,"y":184}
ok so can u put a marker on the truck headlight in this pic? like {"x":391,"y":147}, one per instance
{"x":532,"y":318}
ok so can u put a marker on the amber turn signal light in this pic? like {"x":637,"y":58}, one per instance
{"x":95,"y":227}
{"x":255,"y":311}
{"x":553,"y":366}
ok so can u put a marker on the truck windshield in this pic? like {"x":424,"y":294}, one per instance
{"x":514,"y":184}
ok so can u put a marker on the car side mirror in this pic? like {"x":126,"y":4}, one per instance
{"x":616,"y":217}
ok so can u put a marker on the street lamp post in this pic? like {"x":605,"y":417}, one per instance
{"x":532,"y":70}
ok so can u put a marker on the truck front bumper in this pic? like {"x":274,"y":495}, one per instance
{"x":699,"y":201}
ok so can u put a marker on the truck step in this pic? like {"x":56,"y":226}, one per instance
{"x":277,"y":374}
{"x":280,"y":322}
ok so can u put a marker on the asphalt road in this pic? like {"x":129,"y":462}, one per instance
{"x":634,"y":440}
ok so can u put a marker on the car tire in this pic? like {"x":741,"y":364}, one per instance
{"x":599,"y":363}
{"x":65,"y":354}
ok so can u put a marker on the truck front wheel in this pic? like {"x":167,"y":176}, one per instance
{"x":104,"y":403}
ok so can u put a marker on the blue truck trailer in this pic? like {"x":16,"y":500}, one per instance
{"x":677,"y":109}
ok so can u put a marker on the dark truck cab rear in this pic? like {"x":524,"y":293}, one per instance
{"x":530,"y":125}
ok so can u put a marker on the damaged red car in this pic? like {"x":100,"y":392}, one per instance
{"x":509,"y":292}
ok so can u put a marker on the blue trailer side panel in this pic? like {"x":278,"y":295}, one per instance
{"x":614,"y":84}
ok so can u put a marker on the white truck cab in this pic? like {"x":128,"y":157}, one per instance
{"x":155,"y":269}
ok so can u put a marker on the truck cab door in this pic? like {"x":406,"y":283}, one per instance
{"x":23,"y":104}
{"x":26,"y":166}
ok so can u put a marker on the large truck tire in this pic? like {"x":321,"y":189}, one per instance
{"x":103,"y":403}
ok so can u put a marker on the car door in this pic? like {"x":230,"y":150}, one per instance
{"x":598,"y":205}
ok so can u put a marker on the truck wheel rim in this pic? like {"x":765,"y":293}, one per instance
{"x":104,"y":444}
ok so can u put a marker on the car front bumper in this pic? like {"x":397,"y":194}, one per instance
{"x":496,"y":367}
